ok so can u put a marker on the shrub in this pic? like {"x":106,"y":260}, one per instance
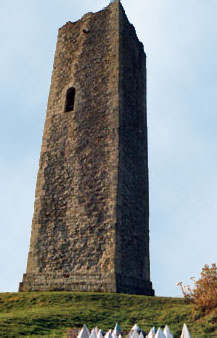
{"x":204,"y":293}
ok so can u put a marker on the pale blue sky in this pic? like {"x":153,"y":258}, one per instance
{"x":180,"y":40}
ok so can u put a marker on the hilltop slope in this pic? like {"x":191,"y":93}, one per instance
{"x":54,"y":313}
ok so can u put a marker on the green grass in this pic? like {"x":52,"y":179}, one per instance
{"x":54,"y":313}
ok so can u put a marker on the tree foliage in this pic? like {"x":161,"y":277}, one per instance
{"x":204,"y":292}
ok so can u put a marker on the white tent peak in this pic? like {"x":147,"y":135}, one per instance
{"x":136,"y":328}
{"x":159,"y":334}
{"x":100,"y":334}
{"x":108,"y":334}
{"x":185,"y":332}
{"x":84,"y":333}
{"x":151,"y":333}
{"x":93,"y":333}
{"x":167,"y":332}
{"x":117,"y":330}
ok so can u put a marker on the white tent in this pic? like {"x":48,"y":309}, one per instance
{"x":135,"y":332}
{"x":100,"y":334}
{"x":117,"y":330}
{"x":151,"y":333}
{"x":108,"y":334}
{"x":136,"y":328}
{"x":167,"y":332}
{"x":84,"y":333}
{"x":93,"y":333}
{"x":159,"y":334}
{"x":185,"y":332}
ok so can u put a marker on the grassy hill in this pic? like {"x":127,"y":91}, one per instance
{"x":54,"y":313}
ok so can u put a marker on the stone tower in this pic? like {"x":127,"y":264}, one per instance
{"x":90,"y":229}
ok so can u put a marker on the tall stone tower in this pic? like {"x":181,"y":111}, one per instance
{"x":90,"y":229}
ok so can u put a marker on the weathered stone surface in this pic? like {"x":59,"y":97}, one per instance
{"x":90,"y":229}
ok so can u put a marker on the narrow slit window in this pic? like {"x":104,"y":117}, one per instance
{"x":70,"y":99}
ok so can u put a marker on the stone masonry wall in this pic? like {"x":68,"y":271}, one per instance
{"x":90,"y":229}
{"x":73,"y":229}
{"x":132,"y":234}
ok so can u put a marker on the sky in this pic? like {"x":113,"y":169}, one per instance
{"x":179,"y":38}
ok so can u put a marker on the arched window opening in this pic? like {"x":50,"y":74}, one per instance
{"x":70,"y":99}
